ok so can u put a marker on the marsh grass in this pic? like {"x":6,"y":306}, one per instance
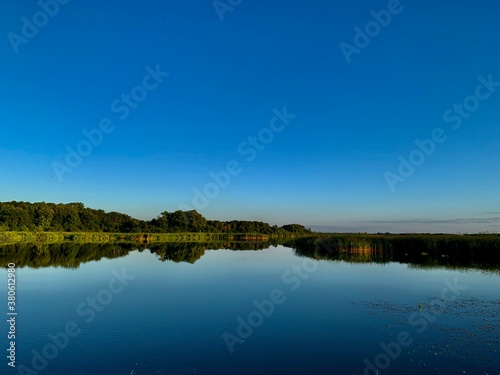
{"x":101,"y":237}
{"x":424,"y":251}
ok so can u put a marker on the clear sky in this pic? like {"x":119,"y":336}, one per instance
{"x":304,"y":109}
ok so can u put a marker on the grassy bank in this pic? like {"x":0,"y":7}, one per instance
{"x":100,"y":237}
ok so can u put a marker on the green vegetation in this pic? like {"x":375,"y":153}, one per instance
{"x":45,"y":234}
{"x":447,"y":255}
{"x":75,"y":217}
{"x":481,"y":251}
{"x":428,"y":243}
{"x":138,"y":238}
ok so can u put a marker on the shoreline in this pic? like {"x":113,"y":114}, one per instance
{"x":9,"y":237}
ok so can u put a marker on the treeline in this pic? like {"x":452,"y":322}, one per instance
{"x":75,"y":217}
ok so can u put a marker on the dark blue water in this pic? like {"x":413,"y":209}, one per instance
{"x":254,"y":312}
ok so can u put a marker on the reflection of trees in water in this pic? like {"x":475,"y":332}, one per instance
{"x":178,"y":251}
{"x":419,"y":251}
{"x":191,"y":252}
{"x":71,"y":255}
{"x":68,"y":254}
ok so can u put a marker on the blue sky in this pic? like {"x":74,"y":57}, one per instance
{"x":328,"y":165}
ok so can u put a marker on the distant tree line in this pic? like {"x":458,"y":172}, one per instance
{"x":75,"y":217}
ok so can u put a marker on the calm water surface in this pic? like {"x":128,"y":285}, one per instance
{"x":256,"y":312}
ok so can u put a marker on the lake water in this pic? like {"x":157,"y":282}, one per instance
{"x":264,"y":311}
